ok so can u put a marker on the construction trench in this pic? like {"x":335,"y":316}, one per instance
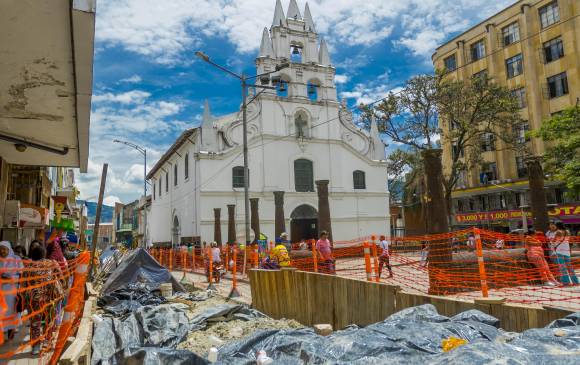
{"x":145,"y":315}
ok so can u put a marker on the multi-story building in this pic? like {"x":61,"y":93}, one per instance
{"x":532,"y":48}
{"x":105,"y":235}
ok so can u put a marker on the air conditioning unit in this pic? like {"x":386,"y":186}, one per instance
{"x":12,"y":213}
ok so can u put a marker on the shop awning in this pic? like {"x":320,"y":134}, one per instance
{"x":46,"y":73}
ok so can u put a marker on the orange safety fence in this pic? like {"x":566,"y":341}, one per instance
{"x":470,"y":263}
{"x":40,"y":306}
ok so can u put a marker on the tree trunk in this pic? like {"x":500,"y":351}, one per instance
{"x":538,"y":200}
{"x":439,"y":256}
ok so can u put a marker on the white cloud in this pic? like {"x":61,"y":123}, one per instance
{"x":111,"y":200}
{"x":135,"y":79}
{"x":365,"y":94}
{"x":129,"y":97}
{"x":341,"y":79}
{"x":164,"y":30}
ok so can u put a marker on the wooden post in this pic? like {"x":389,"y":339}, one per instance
{"x":98,"y":219}
{"x":227,"y":258}
{"x":482,"y":273}
{"x":171,"y":259}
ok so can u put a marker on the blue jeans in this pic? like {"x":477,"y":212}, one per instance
{"x":567,"y":275}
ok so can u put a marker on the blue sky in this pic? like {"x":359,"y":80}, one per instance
{"x":149,"y":87}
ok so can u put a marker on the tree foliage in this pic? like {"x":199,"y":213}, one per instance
{"x":562,"y":158}
{"x":433,"y":108}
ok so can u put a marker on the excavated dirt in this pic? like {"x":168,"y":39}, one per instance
{"x":221,"y":333}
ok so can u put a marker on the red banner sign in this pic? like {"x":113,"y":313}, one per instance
{"x":562,"y":211}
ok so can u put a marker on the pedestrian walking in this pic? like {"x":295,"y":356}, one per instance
{"x":10,"y":270}
{"x":561,"y":248}
{"x":384,"y":258}
{"x":535,"y":255}
{"x":424,"y":254}
{"x":325,"y":254}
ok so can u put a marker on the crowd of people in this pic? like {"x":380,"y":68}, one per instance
{"x":33,"y":286}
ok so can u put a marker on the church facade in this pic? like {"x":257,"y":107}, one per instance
{"x":310,"y":167}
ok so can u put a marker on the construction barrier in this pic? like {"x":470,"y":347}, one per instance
{"x":43,"y":302}
{"x":471,"y":263}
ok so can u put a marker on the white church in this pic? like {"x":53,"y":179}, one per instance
{"x":310,"y":167}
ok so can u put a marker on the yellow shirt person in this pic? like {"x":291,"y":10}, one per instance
{"x":280,"y":255}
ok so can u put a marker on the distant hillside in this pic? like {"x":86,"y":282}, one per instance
{"x":106,"y":212}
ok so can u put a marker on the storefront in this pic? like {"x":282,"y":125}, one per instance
{"x":509,"y":220}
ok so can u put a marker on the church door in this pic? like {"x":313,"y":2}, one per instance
{"x":304,"y":223}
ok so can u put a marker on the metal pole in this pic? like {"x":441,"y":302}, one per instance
{"x":246,"y":171}
{"x":145,"y":199}
{"x":98,"y":219}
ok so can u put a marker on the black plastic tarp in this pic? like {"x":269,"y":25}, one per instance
{"x":139,"y":267}
{"x":129,"y":298}
{"x":156,"y":356}
{"x":116,"y":339}
{"x":414,"y":336}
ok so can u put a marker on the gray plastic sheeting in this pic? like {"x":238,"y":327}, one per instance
{"x":415,"y":336}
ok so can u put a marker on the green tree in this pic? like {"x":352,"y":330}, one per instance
{"x":562,"y":158}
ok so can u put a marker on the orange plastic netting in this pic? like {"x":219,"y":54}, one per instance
{"x":470,"y":263}
{"x":40,"y":304}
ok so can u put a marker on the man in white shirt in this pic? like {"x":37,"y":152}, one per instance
{"x":384,"y":258}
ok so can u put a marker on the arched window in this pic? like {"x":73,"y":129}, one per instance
{"x":282,"y":88}
{"x":186,"y":165}
{"x":296,"y":53}
{"x":358,"y":179}
{"x":238,"y":177}
{"x":167,"y":181}
{"x":312,"y":90}
{"x":175,"y":174}
{"x":303,"y":175}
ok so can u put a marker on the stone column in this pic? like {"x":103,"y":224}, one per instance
{"x":538,"y":200}
{"x":231,"y":223}
{"x":217,"y":226}
{"x":435,"y":214}
{"x":280,"y":224}
{"x":255,"y":217}
{"x":323,"y":208}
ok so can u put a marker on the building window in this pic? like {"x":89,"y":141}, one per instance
{"x":481,"y":75}
{"x":553,"y":50}
{"x":549,"y":14}
{"x":296,"y":53}
{"x":487,"y":142}
{"x":154,"y":190}
{"x":450,"y":63}
{"x":282,"y":88}
{"x":521,"y":167}
{"x":238,"y":177}
{"x":511,"y":34}
{"x":520,"y":133}
{"x":488,"y":173}
{"x":558,"y":85}
{"x":514,"y":66}
{"x":160,"y":190}
{"x":456,"y":151}
{"x":303,"y":175}
{"x":478,"y":50}
{"x":175,"y":174}
{"x":167,"y":181}
{"x":312,"y":90}
{"x":186,"y":166}
{"x":358,"y":179}
{"x":520,"y":96}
